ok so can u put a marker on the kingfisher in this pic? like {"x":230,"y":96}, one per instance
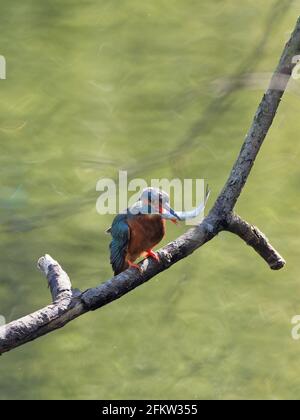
{"x":142,"y":226}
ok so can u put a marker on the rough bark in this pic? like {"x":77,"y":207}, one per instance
{"x":257,"y":240}
{"x":69,"y":304}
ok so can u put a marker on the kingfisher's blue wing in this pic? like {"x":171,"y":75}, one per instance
{"x":120,"y":239}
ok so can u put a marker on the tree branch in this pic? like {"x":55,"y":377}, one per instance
{"x":69,"y":304}
{"x":58,"y":280}
{"x":261,"y":123}
{"x":257,"y":240}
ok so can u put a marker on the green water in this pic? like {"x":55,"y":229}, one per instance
{"x":97,"y":86}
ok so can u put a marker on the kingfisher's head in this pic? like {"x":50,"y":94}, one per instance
{"x":155,"y":201}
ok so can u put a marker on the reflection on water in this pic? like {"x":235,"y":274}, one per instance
{"x":95,"y":88}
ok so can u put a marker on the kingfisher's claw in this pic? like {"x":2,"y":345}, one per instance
{"x":153,"y":255}
{"x":132,"y":265}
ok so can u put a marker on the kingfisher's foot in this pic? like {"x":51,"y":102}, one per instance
{"x":132,"y":265}
{"x":151,"y":254}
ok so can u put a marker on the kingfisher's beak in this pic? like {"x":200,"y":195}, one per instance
{"x":169,"y":213}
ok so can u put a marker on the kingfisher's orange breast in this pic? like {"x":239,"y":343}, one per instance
{"x":146,"y":231}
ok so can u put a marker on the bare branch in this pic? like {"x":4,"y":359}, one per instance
{"x":68,"y":305}
{"x":58,"y":280}
{"x":262,"y":122}
{"x":257,"y":240}
{"x":39,"y":323}
{"x":67,"y":308}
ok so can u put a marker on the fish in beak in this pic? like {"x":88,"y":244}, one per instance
{"x":168,"y":213}
{"x":187,"y":215}
{"x":155,"y":201}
